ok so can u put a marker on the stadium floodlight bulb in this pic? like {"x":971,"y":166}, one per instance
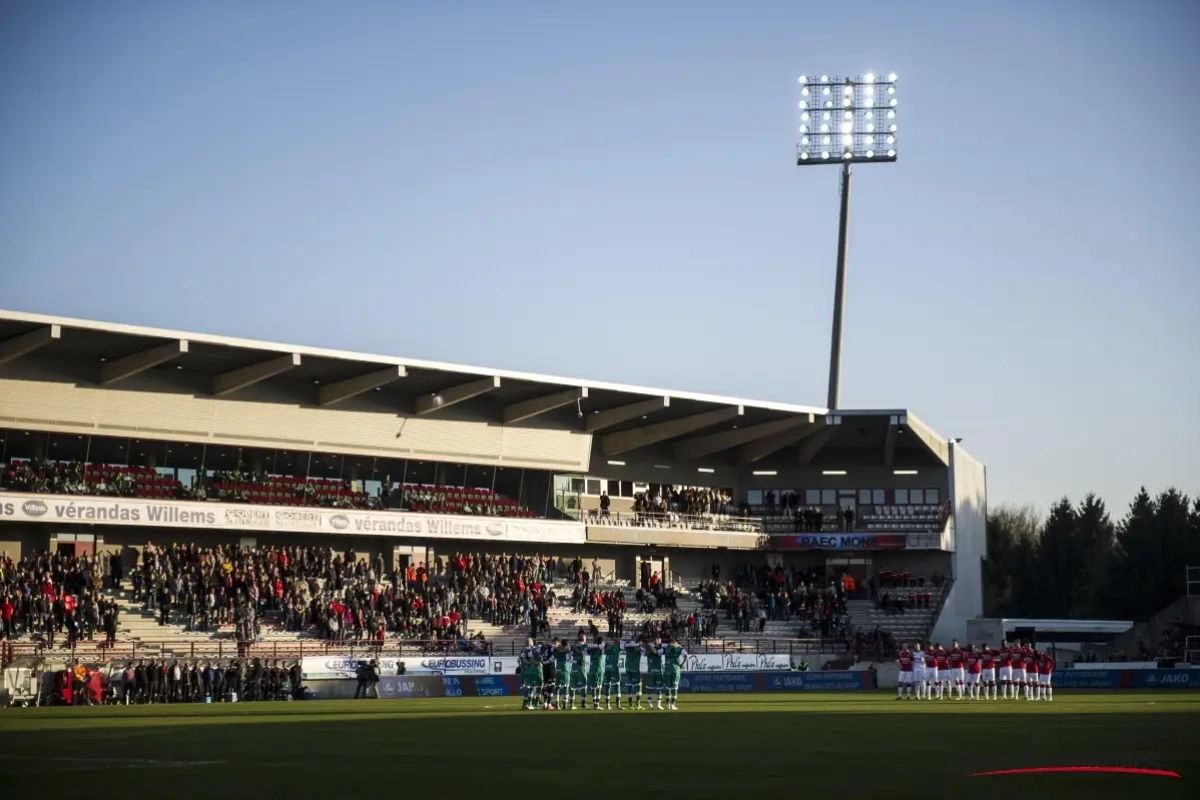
{"x":891,"y":140}
{"x":804,"y":156}
{"x":891,"y":153}
{"x":848,"y":130}
{"x":804,"y":129}
{"x":892,"y":127}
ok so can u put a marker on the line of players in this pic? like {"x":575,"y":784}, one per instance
{"x":936,"y":673}
{"x":554,"y":674}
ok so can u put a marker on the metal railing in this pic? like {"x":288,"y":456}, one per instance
{"x":726,"y":523}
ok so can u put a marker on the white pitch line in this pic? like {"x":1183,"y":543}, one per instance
{"x":125,"y":763}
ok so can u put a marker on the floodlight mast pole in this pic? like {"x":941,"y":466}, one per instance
{"x":839,"y":295}
{"x":861,"y":117}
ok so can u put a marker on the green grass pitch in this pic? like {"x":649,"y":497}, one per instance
{"x":735,"y":746}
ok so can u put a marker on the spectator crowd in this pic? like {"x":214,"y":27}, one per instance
{"x":760,"y":594}
{"x":56,"y":596}
{"x":248,"y":486}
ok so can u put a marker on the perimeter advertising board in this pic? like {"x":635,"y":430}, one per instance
{"x":127,"y":511}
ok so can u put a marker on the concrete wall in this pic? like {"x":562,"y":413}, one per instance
{"x":968,"y":480}
{"x":50,"y":395}
{"x":18,"y":541}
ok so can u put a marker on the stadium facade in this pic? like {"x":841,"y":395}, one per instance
{"x":551,"y":465}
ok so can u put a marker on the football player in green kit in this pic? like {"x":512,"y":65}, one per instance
{"x":531,"y":675}
{"x":562,"y":655}
{"x":578,"y":681}
{"x":654,"y":672}
{"x":595,"y":669}
{"x":633,"y":674}
{"x":612,"y":673}
{"x":673,"y":658}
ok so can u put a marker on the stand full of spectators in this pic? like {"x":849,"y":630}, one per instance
{"x":57,"y":598}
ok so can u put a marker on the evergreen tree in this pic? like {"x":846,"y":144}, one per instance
{"x":1095,"y":534}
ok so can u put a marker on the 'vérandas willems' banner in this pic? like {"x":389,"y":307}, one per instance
{"x":20,"y":506}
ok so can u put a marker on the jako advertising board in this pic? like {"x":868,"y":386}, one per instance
{"x":1126,"y":679}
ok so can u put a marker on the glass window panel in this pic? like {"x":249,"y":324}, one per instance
{"x":480,"y":477}
{"x":916,"y":496}
{"x":828,"y":497}
{"x":68,"y":447}
{"x":508,"y":482}
{"x":535,"y":491}
{"x":593,"y":486}
{"x":902,"y":497}
{"x":878,"y":497}
{"x":932,"y":496}
{"x":420,"y":472}
{"x":864,"y":496}
{"x":812,"y":497}
{"x":754,"y":497}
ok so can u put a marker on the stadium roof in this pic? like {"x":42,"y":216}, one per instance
{"x":622,"y":413}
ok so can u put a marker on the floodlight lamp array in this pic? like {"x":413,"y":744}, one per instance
{"x":847,"y":120}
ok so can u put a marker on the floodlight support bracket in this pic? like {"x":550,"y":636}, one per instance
{"x":839,"y":295}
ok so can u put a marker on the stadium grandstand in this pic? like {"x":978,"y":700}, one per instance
{"x":174,"y":494}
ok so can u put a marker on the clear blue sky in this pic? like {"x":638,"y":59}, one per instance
{"x":608,"y":191}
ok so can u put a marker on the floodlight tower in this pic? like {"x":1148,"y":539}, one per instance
{"x":845,"y":121}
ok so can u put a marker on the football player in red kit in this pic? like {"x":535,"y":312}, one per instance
{"x":1031,"y":672}
{"x":972,"y":662}
{"x":931,"y":672}
{"x":943,"y":665}
{"x":955,"y":657}
{"x":1018,"y":670}
{"x":905,"y":685}
{"x":1004,"y":659}
{"x":1045,"y":670}
{"x":987,"y":661}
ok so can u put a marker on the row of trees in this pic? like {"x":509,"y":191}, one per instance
{"x":1077,"y":563}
